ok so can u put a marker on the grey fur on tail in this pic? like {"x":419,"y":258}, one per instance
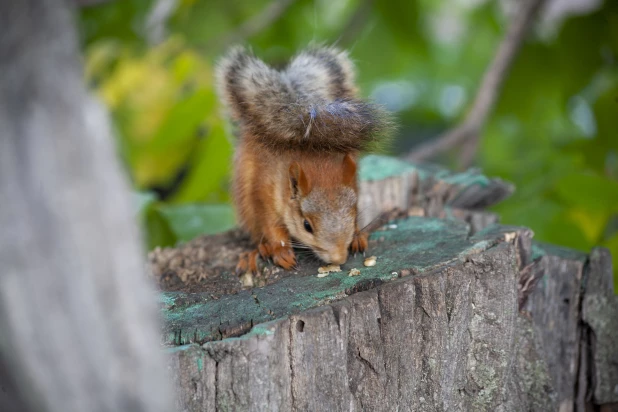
{"x":312,"y":104}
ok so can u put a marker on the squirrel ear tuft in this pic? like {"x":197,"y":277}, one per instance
{"x":299,"y":184}
{"x":349,"y":171}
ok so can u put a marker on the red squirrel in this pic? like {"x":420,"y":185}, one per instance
{"x":295,"y":166}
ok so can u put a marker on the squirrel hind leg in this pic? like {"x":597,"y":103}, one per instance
{"x":247,"y":262}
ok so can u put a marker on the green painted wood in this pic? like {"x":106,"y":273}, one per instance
{"x":415,"y":246}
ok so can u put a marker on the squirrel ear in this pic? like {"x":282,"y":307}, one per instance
{"x":349,"y":171}
{"x":298,"y":180}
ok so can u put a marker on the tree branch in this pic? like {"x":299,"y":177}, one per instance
{"x":488,"y":91}
{"x":356,"y":23}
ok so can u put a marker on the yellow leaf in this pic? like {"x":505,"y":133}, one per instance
{"x":591,"y":223}
{"x":152,"y":169}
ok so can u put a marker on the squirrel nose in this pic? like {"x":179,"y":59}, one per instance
{"x":338,"y":258}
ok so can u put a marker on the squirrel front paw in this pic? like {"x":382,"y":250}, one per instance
{"x":281,"y":253}
{"x":359,"y":243}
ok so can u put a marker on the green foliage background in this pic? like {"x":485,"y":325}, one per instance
{"x":553,"y":133}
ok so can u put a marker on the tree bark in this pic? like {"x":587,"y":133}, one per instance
{"x":77,"y":312}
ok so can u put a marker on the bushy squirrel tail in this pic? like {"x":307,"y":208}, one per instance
{"x":310,"y":105}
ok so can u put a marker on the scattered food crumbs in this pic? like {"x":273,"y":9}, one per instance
{"x":370,"y":261}
{"x":392,"y":226}
{"x":354,"y":272}
{"x":323,"y":271}
{"x":247,"y":280}
{"x":395,"y":274}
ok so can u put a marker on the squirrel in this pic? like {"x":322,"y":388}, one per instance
{"x":302,"y":129}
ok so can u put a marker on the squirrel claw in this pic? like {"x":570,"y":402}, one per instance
{"x":359,"y":243}
{"x":247,"y":262}
{"x":279,"y":255}
{"x":284,"y":257}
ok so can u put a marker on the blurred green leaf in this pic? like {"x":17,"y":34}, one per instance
{"x":182,"y":121}
{"x":123,"y":20}
{"x":403,"y":18}
{"x":208,"y":175}
{"x":606,"y":115}
{"x":590,"y":191}
{"x":190,"y":220}
{"x":142,"y":201}
{"x":159,"y":233}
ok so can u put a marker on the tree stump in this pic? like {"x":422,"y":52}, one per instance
{"x":458,"y":314}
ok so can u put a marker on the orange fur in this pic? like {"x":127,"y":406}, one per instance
{"x":268,"y":208}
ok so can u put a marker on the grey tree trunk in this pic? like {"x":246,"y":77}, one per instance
{"x":78,"y":326}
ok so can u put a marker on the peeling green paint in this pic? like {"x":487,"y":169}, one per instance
{"x":468,"y":178}
{"x":376,"y":167}
{"x":174,"y":349}
{"x":540,"y":249}
{"x":166,"y":299}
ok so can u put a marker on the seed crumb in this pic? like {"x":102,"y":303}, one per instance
{"x":247,"y":280}
{"x":323,"y":271}
{"x":354,"y":272}
{"x":370,"y":261}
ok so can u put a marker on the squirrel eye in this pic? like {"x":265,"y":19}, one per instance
{"x":308,"y":227}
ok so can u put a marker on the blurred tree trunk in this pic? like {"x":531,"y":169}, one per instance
{"x":77,"y":315}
